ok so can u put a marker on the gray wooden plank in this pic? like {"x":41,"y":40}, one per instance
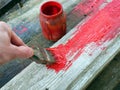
{"x":109,"y":78}
{"x":8,"y":70}
{"x":28,"y":5}
{"x":6,"y":5}
{"x":3,"y":3}
{"x":38,"y":76}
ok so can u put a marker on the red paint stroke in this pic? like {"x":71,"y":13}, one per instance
{"x":101,"y":27}
{"x":23,"y":30}
{"x":87,"y":6}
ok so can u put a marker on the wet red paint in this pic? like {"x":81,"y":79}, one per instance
{"x":24,"y":29}
{"x":101,"y":27}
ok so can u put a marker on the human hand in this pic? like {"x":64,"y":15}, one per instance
{"x":11,"y":46}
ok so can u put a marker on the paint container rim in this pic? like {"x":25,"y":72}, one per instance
{"x":54,"y":15}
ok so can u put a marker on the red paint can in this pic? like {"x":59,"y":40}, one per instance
{"x":52,"y":20}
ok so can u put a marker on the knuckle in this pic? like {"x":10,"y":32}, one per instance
{"x":4,"y":27}
{"x":2,"y":23}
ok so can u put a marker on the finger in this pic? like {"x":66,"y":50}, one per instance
{"x":4,"y":27}
{"x":13,"y":37}
{"x":21,"y":51}
{"x":15,"y":40}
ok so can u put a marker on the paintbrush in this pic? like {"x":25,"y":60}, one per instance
{"x":42,"y":55}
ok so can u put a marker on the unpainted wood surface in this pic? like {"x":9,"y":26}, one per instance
{"x":6,"y":5}
{"x":109,"y":78}
{"x":3,"y":3}
{"x":14,"y":13}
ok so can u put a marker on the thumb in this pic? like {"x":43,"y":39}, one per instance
{"x":22,"y":51}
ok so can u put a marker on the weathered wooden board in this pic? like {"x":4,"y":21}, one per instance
{"x":29,"y":4}
{"x":109,"y":78}
{"x":37,"y":76}
{"x":3,"y":3}
{"x":76,"y":77}
{"x":8,"y":70}
{"x":6,"y":5}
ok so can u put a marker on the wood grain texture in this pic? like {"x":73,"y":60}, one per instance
{"x":77,"y":77}
{"x":109,"y":78}
{"x":4,"y":2}
{"x":6,"y":5}
{"x":31,"y":27}
{"x":17,"y":12}
{"x":38,"y":76}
